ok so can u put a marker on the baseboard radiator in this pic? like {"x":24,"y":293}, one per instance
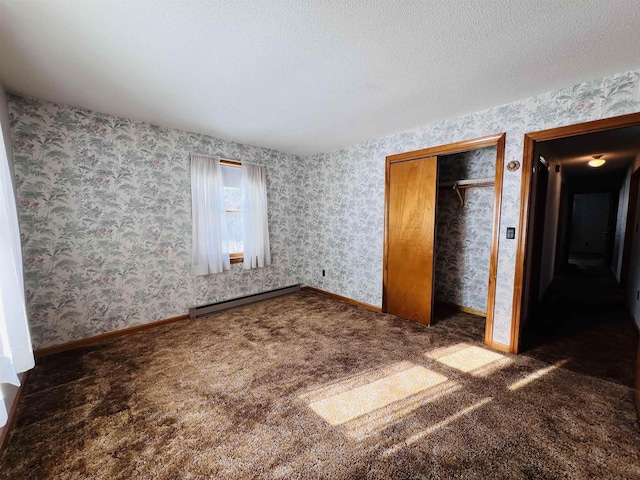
{"x":238,"y":302}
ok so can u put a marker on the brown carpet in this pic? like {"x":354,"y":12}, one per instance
{"x":308,"y":387}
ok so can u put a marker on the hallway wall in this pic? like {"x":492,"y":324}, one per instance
{"x":621,"y":224}
{"x":550,"y":226}
{"x":633,"y":285}
{"x":589,"y":222}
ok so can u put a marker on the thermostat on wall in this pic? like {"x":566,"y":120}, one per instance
{"x":511,"y":233}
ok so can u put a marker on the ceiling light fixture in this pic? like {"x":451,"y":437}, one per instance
{"x":597,"y":161}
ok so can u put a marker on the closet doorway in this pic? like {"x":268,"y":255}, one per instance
{"x":416,"y":267}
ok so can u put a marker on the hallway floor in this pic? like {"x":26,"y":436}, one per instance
{"x":583,"y":321}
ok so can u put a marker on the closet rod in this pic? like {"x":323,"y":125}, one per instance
{"x":475,"y":182}
{"x":471,"y":183}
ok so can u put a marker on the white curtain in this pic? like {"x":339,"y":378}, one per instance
{"x":210,"y":245}
{"x":16,"y":352}
{"x":254,"y":210}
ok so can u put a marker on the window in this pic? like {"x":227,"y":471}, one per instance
{"x":232,"y":182}
{"x":229,"y":211}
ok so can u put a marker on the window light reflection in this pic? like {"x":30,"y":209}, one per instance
{"x":452,"y":418}
{"x":374,"y":422}
{"x":468,"y":358}
{"x":536,"y":375}
{"x":342,"y":407}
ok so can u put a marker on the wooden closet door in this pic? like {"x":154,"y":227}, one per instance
{"x":411,"y":226}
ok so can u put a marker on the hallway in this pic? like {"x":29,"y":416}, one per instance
{"x":583,"y":319}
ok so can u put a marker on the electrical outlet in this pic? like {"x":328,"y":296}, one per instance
{"x":323,"y":274}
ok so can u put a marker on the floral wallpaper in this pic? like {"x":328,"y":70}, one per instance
{"x":342,"y":230}
{"x":463,"y":232}
{"x":105,"y":214}
{"x":104,"y":205}
{"x":478,"y":163}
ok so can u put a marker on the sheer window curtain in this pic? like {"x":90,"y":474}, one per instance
{"x":257,"y":252}
{"x":16,"y":352}
{"x":210,"y":252}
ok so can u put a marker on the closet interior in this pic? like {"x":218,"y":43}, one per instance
{"x":463,"y":240}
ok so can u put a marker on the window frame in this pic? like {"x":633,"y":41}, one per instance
{"x":233,"y":257}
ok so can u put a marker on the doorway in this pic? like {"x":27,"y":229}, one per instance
{"x":580,"y":248}
{"x":411,"y":199}
{"x":591,"y":228}
{"x":534,"y":144}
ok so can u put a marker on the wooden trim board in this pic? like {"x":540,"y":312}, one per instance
{"x":496,"y":346}
{"x":448,"y":149}
{"x":501,"y":347}
{"x":12,"y":412}
{"x":500,"y":143}
{"x":43,"y":352}
{"x":460,"y":308}
{"x":344,"y":299}
{"x":593,"y":126}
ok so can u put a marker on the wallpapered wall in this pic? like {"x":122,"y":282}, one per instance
{"x":345,"y":188}
{"x":463,"y":232}
{"x":105,"y":215}
{"x":104,"y":205}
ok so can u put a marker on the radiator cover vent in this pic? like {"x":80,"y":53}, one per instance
{"x":237,"y":302}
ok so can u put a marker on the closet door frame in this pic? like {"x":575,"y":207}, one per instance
{"x":497,"y":140}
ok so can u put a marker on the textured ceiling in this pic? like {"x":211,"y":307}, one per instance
{"x":308,"y":76}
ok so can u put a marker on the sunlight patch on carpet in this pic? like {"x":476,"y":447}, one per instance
{"x":470,"y":359}
{"x":532,"y":377}
{"x":355,"y":402}
{"x":366,"y":425}
{"x":362,"y":377}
